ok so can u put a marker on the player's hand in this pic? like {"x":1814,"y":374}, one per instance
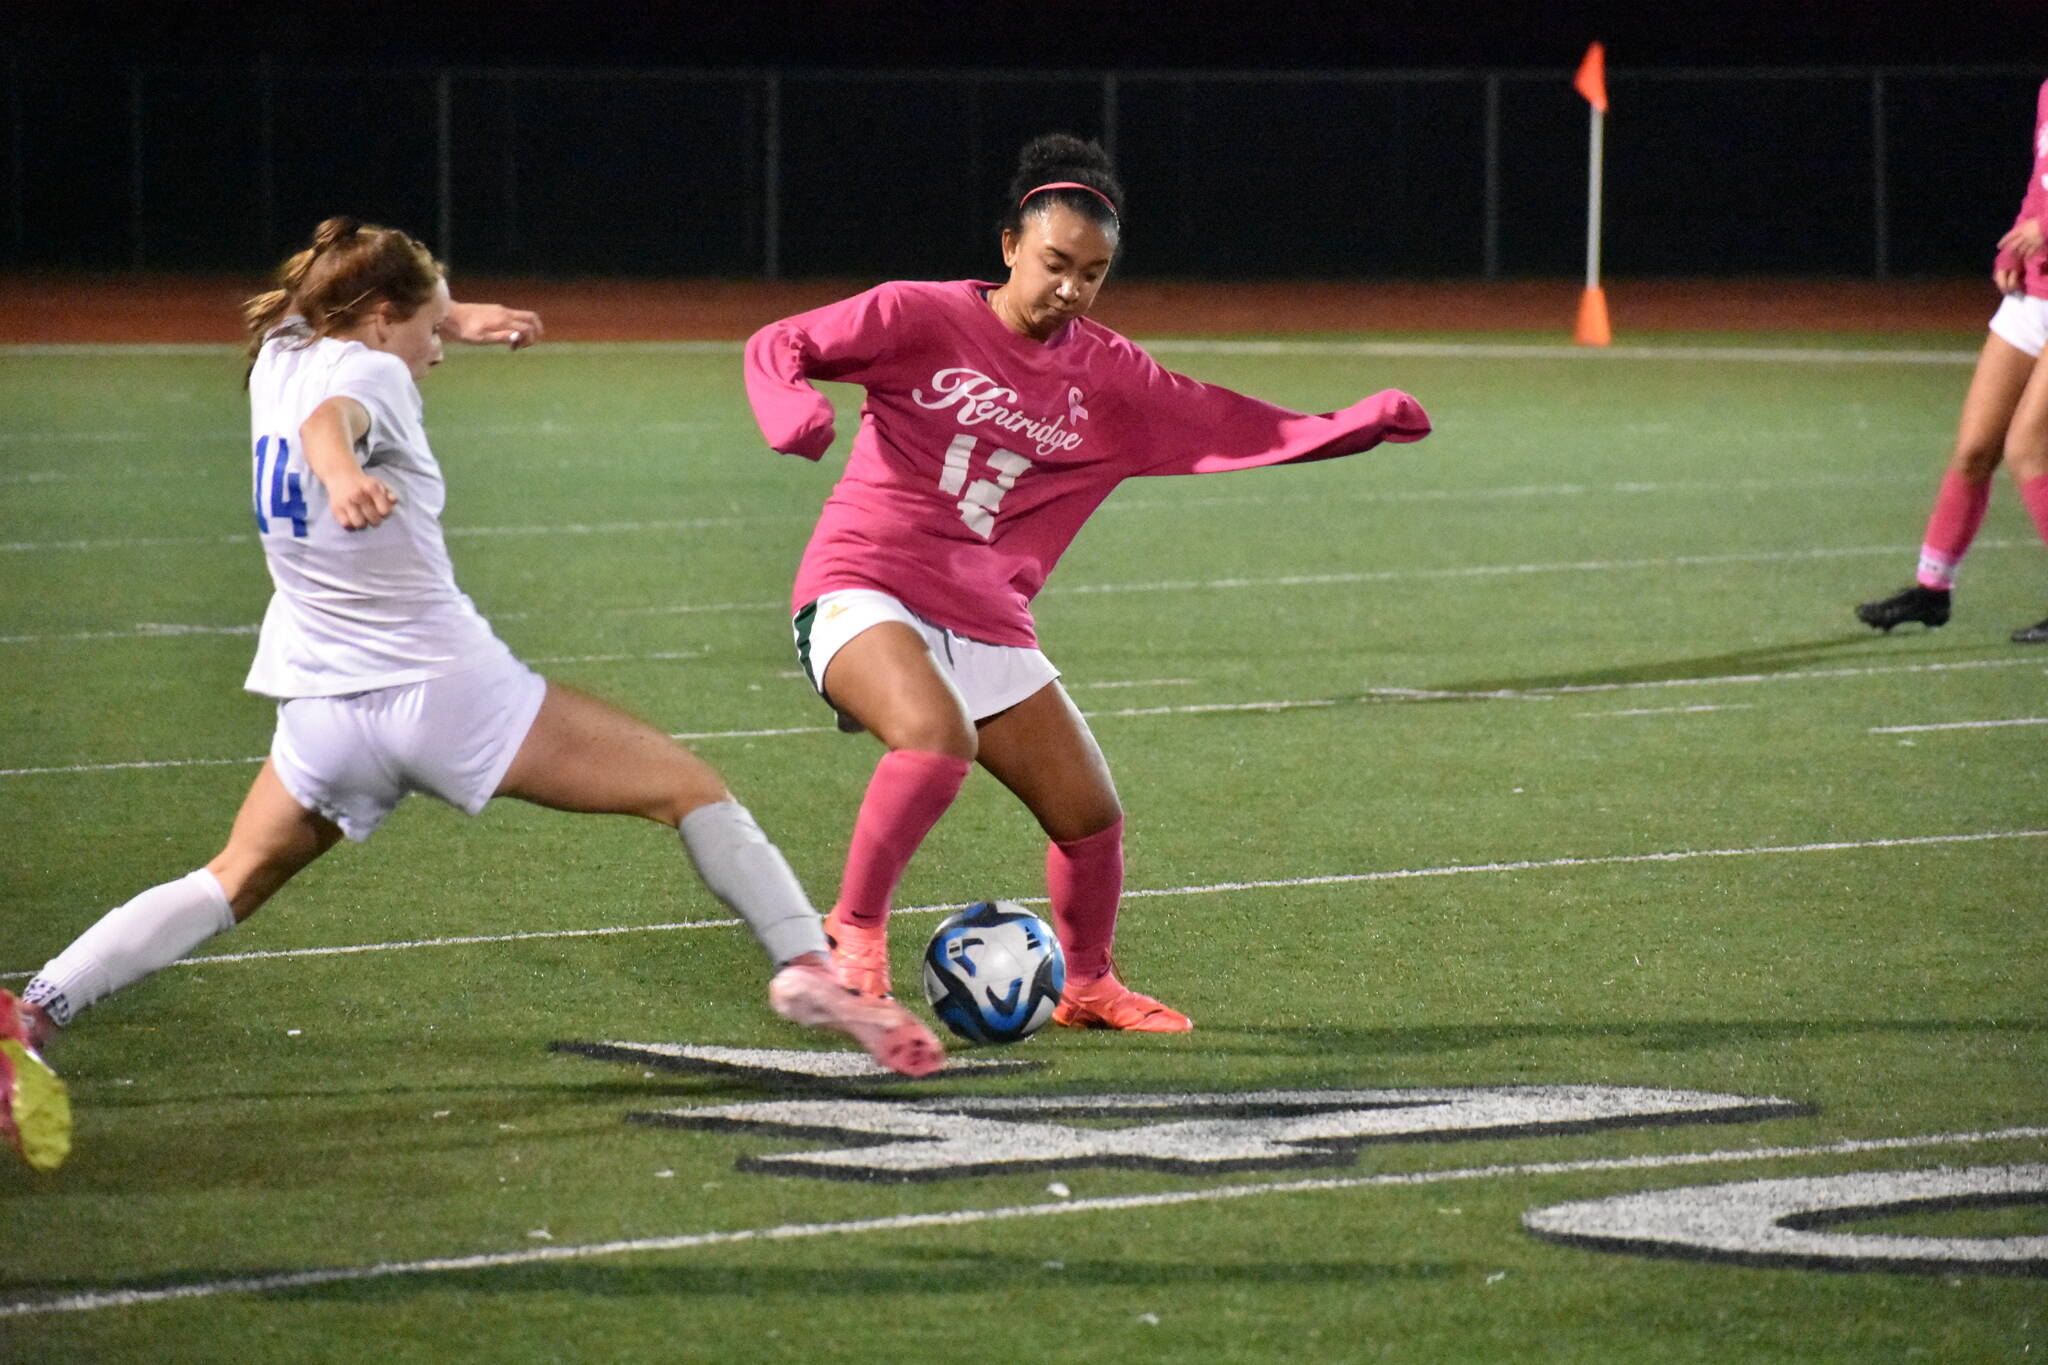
{"x":2024,"y":240}
{"x":487,"y":324}
{"x":2008,"y":278}
{"x":362,"y":504}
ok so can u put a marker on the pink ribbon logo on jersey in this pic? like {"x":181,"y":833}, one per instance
{"x":984,"y":402}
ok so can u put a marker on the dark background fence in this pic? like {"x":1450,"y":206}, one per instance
{"x":1890,"y":171}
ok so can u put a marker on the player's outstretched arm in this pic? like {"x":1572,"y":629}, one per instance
{"x":328,"y":439}
{"x":1178,"y":425}
{"x":487,"y":324}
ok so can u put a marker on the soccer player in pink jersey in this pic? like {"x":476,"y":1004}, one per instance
{"x":2005,"y":417}
{"x":998,"y":417}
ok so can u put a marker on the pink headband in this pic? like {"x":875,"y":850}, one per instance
{"x":1070,"y":185}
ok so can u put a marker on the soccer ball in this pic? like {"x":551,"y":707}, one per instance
{"x":993,"y":972}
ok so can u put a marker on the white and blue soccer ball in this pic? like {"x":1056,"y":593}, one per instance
{"x":993,"y":972}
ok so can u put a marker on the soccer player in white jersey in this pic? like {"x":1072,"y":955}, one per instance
{"x":389,"y":681}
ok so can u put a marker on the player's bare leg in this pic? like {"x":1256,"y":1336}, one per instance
{"x":2026,"y":459}
{"x":1996,"y":386}
{"x":273,"y":839}
{"x":1043,"y":751}
{"x":583,"y":754}
{"x":886,"y":679}
{"x":586,"y":755}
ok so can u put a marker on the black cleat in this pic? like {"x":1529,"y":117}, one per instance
{"x":1928,"y":606}
{"x":2036,"y":634}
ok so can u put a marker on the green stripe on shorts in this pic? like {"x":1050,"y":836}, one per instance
{"x":802,"y":623}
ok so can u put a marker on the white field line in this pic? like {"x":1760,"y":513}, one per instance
{"x":545,"y":428}
{"x":1663,"y":711}
{"x":1205,"y":708}
{"x":1447,"y":350}
{"x":76,"y":438}
{"x":118,"y":350}
{"x":155,"y":631}
{"x":147,"y":630}
{"x":1349,"y":497}
{"x":1470,"y":350}
{"x":97,"y":1300}
{"x":608,"y":528}
{"x":1208,"y":889}
{"x":1274,"y":705}
{"x":133,"y":766}
{"x":779,"y":605}
{"x":1799,"y":675}
{"x":1503,"y":570}
{"x":1956,"y":725}
{"x":1631,"y":487}
{"x":40,"y":546}
{"x":569,"y":528}
{"x":1130,"y":682}
{"x":620,"y":658}
{"x":756,"y":734}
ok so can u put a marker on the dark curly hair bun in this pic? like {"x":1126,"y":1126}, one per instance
{"x":1053,"y":158}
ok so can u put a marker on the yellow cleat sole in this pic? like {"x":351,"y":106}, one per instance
{"x":40,"y":1107}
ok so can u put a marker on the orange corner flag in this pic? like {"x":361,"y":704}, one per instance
{"x":1592,"y":78}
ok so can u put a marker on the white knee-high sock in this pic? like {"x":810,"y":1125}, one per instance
{"x":751,"y":876}
{"x":131,"y":941}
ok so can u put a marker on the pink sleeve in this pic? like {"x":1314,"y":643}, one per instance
{"x":839,"y":341}
{"x":1178,"y":425}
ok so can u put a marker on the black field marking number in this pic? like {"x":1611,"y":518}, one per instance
{"x":941,"y":1139}
{"x":1806,"y":1222}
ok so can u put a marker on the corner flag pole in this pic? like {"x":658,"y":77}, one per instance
{"x":1591,"y":82}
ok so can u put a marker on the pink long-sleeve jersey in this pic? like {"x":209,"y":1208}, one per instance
{"x":2034,"y":204}
{"x":981,"y":452}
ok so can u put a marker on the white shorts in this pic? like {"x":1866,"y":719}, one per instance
{"x":991,"y":678}
{"x":2022,"y":321}
{"x":354,"y":758}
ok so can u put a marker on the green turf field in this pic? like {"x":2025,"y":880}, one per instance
{"x":1545,"y":753}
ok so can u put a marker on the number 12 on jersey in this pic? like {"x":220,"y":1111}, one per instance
{"x":984,"y":497}
{"x":285,"y":494}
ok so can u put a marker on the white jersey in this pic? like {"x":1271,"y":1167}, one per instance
{"x":354,"y":610}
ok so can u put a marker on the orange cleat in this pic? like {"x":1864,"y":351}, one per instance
{"x":860,"y":956}
{"x":35,"y":1110}
{"x":807,"y":992}
{"x":1108,"y":1003}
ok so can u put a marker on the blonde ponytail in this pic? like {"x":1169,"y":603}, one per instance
{"x":350,"y":268}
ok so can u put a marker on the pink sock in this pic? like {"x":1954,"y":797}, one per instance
{"x":1085,"y":878}
{"x":910,"y":790}
{"x":2034,"y":493}
{"x":1958,"y":512}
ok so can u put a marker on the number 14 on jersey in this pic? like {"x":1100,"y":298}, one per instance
{"x":286,"y":495}
{"x":984,"y":497}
